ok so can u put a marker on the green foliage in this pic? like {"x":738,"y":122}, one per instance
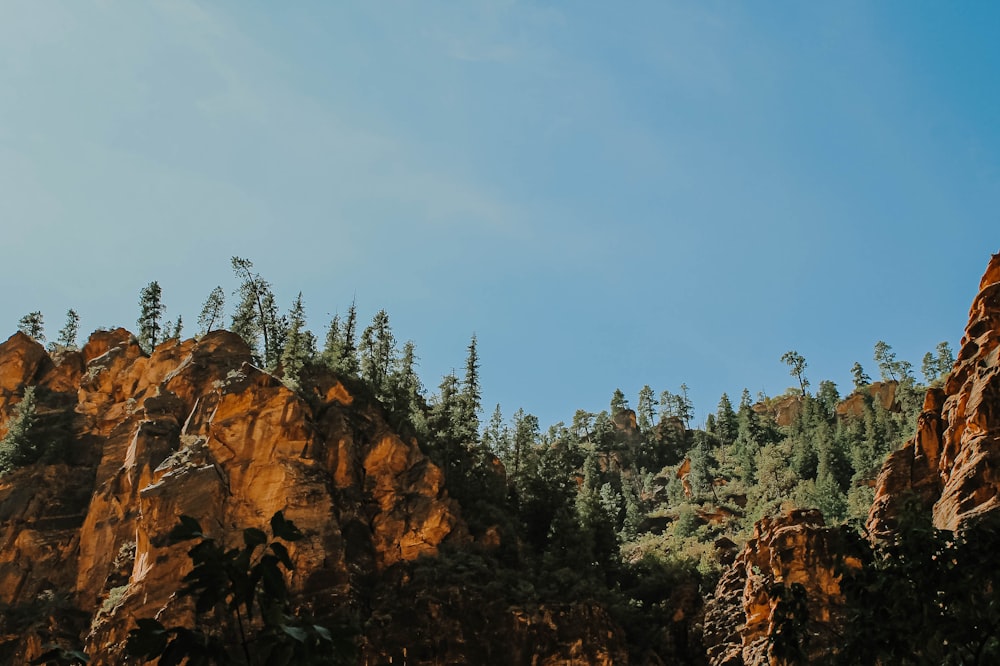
{"x":797,"y":366}
{"x":151,"y":310}
{"x":32,"y":325}
{"x":926,"y":596}
{"x":891,"y":369}
{"x":858,"y":375}
{"x":300,"y":344}
{"x":378,"y":354}
{"x":68,"y":333}
{"x":618,"y":402}
{"x":340,"y":350}
{"x":20,"y":446}
{"x":646,"y":410}
{"x":242,"y":607}
{"x":256,"y":315}
{"x":212,"y":311}
{"x":936,"y":367}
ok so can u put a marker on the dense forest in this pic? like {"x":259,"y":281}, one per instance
{"x":631,"y":507}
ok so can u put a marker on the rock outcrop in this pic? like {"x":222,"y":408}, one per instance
{"x":196,"y":429}
{"x":784,"y":552}
{"x":950,"y":466}
{"x":881,"y":393}
{"x":135,"y":440}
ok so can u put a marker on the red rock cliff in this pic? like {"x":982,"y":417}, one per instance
{"x":195,"y":429}
{"x":951,"y":464}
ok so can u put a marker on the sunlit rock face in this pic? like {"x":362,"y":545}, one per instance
{"x":793,"y":549}
{"x":194,"y":428}
{"x":950,"y":466}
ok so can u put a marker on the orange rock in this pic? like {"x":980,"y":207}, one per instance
{"x":195,"y":429}
{"x":795,"y":548}
{"x":950,"y":462}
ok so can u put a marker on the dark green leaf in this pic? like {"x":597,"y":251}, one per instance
{"x":282,"y":554}
{"x":284,"y":529}
{"x":253,"y":537}
{"x":188,"y":528}
{"x":297,"y":633}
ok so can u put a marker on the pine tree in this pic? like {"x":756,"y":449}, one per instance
{"x":378,"y":353}
{"x":726,"y":423}
{"x":340,"y":351}
{"x":246,"y":323}
{"x":496,"y":435}
{"x":645,"y":411}
{"x":68,"y":333}
{"x":277,"y":326}
{"x":151,"y":312}
{"x":32,"y":325}
{"x":18,"y":447}
{"x":797,"y":366}
{"x":257,"y":314}
{"x":471,"y":396}
{"x":685,"y":408}
{"x":945,"y":359}
{"x":212,"y":311}
{"x":299,"y":343}
{"x":525,"y":427}
{"x":860,"y":378}
{"x":618,"y":403}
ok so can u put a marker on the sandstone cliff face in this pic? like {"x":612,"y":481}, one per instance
{"x":951,"y":463}
{"x":195,"y":429}
{"x":795,"y":548}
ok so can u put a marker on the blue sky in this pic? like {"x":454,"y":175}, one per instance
{"x":607,"y":194}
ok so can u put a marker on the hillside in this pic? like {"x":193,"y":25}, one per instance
{"x":429,"y":537}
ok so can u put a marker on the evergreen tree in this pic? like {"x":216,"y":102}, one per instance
{"x":860,"y":378}
{"x":945,"y":359}
{"x":471,"y":393}
{"x":18,"y":447}
{"x":668,"y":405}
{"x":891,"y":369}
{"x":68,"y":333}
{"x":212,"y":311}
{"x":936,"y":367}
{"x":405,"y":389}
{"x":257,"y":314}
{"x":246,"y":323}
{"x":340,"y":352}
{"x":151,"y":312}
{"x":618,"y":403}
{"x":828,"y":397}
{"x":685,"y":408}
{"x":378,"y":353}
{"x":32,"y":325}
{"x":645,"y":411}
{"x":797,"y":367}
{"x":496,"y":436}
{"x":749,"y":439}
{"x":701,"y":475}
{"x":583,"y":425}
{"x":178,"y":327}
{"x":525,"y":433}
{"x":278,"y":327}
{"x":726,"y":423}
{"x":299,"y":345}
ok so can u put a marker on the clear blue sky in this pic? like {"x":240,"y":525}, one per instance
{"x":607,"y":194}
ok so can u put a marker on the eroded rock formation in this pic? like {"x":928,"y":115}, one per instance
{"x":195,"y":429}
{"x":793,"y":549}
{"x":951,"y":463}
